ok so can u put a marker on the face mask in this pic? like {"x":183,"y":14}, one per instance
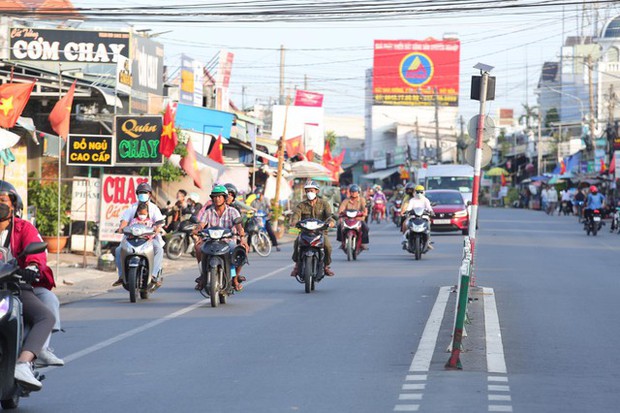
{"x":142,"y":217}
{"x":5,"y":212}
{"x":143,"y":197}
{"x":418,"y":195}
{"x":310,"y":195}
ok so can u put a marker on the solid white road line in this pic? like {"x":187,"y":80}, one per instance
{"x":495,"y":349}
{"x":422,"y":359}
{"x":154,"y":323}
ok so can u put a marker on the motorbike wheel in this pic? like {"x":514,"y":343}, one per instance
{"x":308,"y":278}
{"x":350,"y":246}
{"x":132,"y":283}
{"x":11,"y":403}
{"x":261,"y":244}
{"x":594,"y":229}
{"x":214,"y":282}
{"x":223,"y":298}
{"x":174,"y":247}
{"x":417,"y":245}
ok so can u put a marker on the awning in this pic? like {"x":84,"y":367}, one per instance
{"x":258,"y":153}
{"x":381,"y":174}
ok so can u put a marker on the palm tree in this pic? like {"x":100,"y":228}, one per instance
{"x":531,"y":112}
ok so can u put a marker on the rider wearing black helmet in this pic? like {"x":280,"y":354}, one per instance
{"x":143,"y":193}
{"x":358,"y":203}
{"x":231,"y":200}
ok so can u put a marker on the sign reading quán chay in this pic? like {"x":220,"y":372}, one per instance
{"x":89,"y":150}
{"x":137,"y":140}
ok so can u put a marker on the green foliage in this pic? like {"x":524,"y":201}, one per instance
{"x":44,"y":196}
{"x":512,"y":195}
{"x":330,"y":138}
{"x":552,"y":116}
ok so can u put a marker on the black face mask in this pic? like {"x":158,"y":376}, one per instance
{"x":5,"y":212}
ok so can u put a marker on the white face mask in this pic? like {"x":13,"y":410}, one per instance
{"x":143,"y":197}
{"x":142,"y":217}
{"x":310,"y":195}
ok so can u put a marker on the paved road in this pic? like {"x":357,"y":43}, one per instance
{"x":363,"y":341}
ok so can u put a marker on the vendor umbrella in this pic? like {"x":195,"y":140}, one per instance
{"x":497,"y":171}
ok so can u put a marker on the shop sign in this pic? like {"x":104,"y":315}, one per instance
{"x":60,"y":45}
{"x":89,"y":150}
{"x":137,"y":140}
{"x":118,"y":192}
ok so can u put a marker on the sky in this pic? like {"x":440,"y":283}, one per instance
{"x":335,"y":55}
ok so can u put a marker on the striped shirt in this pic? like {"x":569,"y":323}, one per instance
{"x":211,"y":218}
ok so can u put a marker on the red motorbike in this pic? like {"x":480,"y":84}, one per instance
{"x":378,"y":210}
{"x":351,"y":234}
{"x":396,"y":212}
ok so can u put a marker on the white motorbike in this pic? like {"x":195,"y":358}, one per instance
{"x":418,"y":233}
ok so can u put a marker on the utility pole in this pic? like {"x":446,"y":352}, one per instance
{"x":612,"y":104}
{"x":276,"y":199}
{"x":539,"y":144}
{"x":305,"y":82}
{"x":591,"y":93}
{"x":461,"y":152}
{"x":281,"y":101}
{"x":437,"y":126}
{"x":242,"y":98}
{"x":419,"y":139}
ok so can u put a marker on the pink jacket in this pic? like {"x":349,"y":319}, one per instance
{"x":24,"y":233}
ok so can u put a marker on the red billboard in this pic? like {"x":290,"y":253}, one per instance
{"x":411,"y":72}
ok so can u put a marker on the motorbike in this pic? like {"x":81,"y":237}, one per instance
{"x":615,"y":220}
{"x":12,"y":328}
{"x":218,"y":262}
{"x":396,"y":211}
{"x":311,"y":252}
{"x":137,"y":259}
{"x":257,"y":233}
{"x":567,"y":208}
{"x":593,"y":223}
{"x":180,"y":241}
{"x":351,"y":235}
{"x":418,"y":231}
{"x":378,"y":210}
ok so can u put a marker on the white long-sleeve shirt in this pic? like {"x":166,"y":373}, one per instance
{"x":422,"y":201}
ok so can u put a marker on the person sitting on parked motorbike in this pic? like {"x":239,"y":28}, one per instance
{"x":594,"y":200}
{"x":261,"y":204}
{"x":222,"y":215}
{"x":15,"y":235}
{"x":193,"y":203}
{"x":418,"y":200}
{"x":143,"y":193}
{"x":313,"y":207}
{"x":357,"y":203}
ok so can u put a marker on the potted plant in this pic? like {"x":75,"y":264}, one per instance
{"x":44,"y":196}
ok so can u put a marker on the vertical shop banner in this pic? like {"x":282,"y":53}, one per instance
{"x":148,"y":75}
{"x":224,"y":70}
{"x":118,"y":192}
{"x":137,"y":140}
{"x":124,"y":76}
{"x":186,"y":93}
{"x":412,"y":72}
{"x":16,"y":172}
{"x":617,"y":161}
{"x":198,"y":83}
{"x":85,"y":188}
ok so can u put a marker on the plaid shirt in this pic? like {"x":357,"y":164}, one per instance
{"x":211,"y":219}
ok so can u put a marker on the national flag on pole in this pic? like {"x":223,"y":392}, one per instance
{"x":190,"y":165}
{"x":217,"y":151}
{"x":562,"y":167}
{"x":294,"y":146}
{"x":60,"y":116}
{"x":13,"y":99}
{"x":327,"y":155}
{"x":310,"y":155}
{"x":168,"y":140}
{"x":603,"y":167}
{"x":502,"y":180}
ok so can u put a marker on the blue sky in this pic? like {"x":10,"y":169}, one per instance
{"x":334,"y":56}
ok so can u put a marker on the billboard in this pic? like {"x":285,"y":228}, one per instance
{"x":67,"y":45}
{"x":137,"y":140}
{"x":412,"y":72}
{"x":192,"y":74}
{"x":118,"y":192}
{"x":147,"y":75}
{"x":89,"y":150}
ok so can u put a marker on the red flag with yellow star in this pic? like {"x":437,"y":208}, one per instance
{"x":168,"y":140}
{"x":190,"y":165}
{"x":294,"y":146}
{"x":13,"y":99}
{"x":60,"y":116}
{"x":217,"y":151}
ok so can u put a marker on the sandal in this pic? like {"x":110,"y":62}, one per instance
{"x":237,"y":285}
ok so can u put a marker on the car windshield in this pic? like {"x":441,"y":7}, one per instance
{"x":445,"y":198}
{"x":461,"y":184}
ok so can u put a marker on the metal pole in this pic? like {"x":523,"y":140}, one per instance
{"x":467,"y":267}
{"x":591,"y":98}
{"x":539,"y":146}
{"x":84,"y":261}
{"x":59,"y":177}
{"x":281,"y":75}
{"x":437,"y":126}
{"x":276,"y":199}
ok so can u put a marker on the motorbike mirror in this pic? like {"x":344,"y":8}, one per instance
{"x":34,"y":248}
{"x":160,"y":222}
{"x":194,"y":219}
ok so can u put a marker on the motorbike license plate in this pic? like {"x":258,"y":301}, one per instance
{"x":441,"y":221}
{"x":597,"y":219}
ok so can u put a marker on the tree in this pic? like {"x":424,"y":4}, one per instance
{"x":531,"y":112}
{"x":330,"y":138}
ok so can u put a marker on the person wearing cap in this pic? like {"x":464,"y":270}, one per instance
{"x":594,"y":200}
{"x":143,"y":193}
{"x":193,"y":203}
{"x":357,"y":203}
{"x":15,"y":235}
{"x":313,"y":207}
{"x":220,"y":214}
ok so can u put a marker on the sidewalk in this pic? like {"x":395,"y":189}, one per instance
{"x":75,"y":282}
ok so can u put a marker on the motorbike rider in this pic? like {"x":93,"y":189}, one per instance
{"x":193,"y":203}
{"x":16,"y":234}
{"x":143,"y":193}
{"x":221,"y":214}
{"x":354,"y":202}
{"x":418,"y":200}
{"x":409,"y":193}
{"x":313,"y":207}
{"x":594,"y":200}
{"x":260,"y":203}
{"x":231,"y":199}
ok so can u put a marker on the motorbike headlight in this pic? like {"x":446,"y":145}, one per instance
{"x":460,"y":214}
{"x":4,"y":306}
{"x":311,"y":225}
{"x":418,"y":228}
{"x":216,"y":233}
